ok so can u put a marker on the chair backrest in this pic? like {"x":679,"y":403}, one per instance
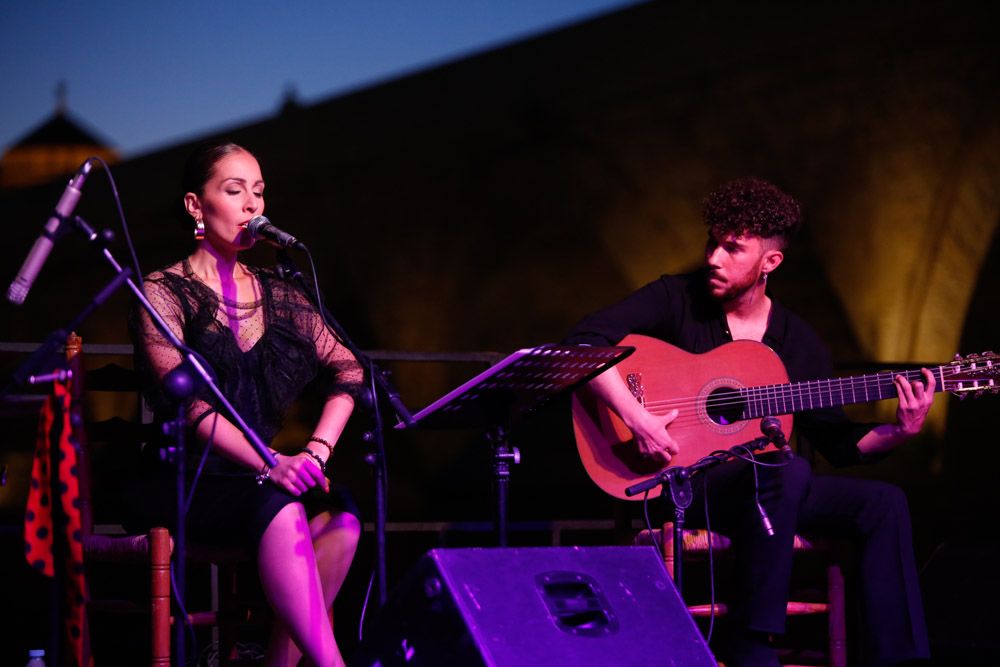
{"x":95,"y":436}
{"x":74,"y":362}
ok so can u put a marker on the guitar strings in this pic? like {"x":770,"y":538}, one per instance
{"x":802,"y":391}
{"x":788,"y":406}
{"x":690,"y":416}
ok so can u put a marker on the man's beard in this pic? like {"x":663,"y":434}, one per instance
{"x":733,"y":291}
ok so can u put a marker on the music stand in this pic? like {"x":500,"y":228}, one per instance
{"x":519,"y":383}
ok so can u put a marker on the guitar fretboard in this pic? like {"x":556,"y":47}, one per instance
{"x":783,"y":399}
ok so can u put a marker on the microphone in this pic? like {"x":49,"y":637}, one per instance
{"x":18,"y":290}
{"x":261,"y":229}
{"x":771,"y":427}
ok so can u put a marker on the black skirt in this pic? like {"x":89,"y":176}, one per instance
{"x":227,"y":509}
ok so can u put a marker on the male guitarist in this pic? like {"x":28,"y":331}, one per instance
{"x":750,"y":223}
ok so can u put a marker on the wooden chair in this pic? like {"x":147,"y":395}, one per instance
{"x":696,"y":544}
{"x":152,"y":550}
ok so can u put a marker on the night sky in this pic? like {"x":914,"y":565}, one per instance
{"x":145,"y":75}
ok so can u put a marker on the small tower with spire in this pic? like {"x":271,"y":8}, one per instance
{"x":61,"y":98}
{"x":55,"y":148}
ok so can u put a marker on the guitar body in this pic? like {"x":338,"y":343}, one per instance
{"x":664,"y":377}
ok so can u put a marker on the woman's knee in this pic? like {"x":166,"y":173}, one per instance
{"x":344,"y":525}
{"x":351,"y":526}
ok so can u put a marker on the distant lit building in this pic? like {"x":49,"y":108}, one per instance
{"x":56,"y":147}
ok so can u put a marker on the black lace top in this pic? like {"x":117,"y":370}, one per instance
{"x":264,"y":352}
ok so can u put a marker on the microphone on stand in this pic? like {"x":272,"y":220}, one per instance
{"x":18,"y":290}
{"x":261,"y":229}
{"x":771,"y":427}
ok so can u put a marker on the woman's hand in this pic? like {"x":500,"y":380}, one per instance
{"x":298,"y":473}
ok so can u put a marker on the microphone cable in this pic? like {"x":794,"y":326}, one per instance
{"x":754,"y":462}
{"x":373,"y":393}
{"x":121,"y":217}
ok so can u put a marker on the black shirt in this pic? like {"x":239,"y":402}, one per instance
{"x":680,"y":311}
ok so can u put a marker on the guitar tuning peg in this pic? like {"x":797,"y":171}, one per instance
{"x":957,"y":357}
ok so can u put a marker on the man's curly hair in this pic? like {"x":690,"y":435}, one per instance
{"x":752,"y":206}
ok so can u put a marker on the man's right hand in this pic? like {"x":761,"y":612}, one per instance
{"x":648,"y":430}
{"x":651,"y":435}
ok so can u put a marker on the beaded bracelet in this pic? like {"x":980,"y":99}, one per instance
{"x":316,"y":457}
{"x":322,"y":442}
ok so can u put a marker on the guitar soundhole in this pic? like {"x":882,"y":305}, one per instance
{"x":725,"y":406}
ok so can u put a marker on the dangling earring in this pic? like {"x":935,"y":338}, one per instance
{"x":199,"y":229}
{"x":763,"y":276}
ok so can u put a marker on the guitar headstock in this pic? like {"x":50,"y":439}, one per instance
{"x":973,"y":374}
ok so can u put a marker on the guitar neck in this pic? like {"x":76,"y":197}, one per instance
{"x":783,"y":399}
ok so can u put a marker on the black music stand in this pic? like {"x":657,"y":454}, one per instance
{"x":521,"y":382}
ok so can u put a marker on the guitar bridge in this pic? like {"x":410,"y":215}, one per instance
{"x":634,"y":381}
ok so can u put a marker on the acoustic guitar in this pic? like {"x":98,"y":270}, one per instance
{"x":721,"y":397}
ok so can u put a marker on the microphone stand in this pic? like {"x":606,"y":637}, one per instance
{"x":42,"y":356}
{"x":379,"y":385}
{"x":180,"y":383}
{"x":677,"y":481}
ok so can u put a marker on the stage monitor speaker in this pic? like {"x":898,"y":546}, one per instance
{"x":536,"y":606}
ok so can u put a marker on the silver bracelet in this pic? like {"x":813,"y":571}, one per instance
{"x":265,"y":472}
{"x":263,"y":475}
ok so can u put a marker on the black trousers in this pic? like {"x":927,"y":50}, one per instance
{"x":872,"y":515}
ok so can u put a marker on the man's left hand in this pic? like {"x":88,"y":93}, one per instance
{"x":915,"y":400}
